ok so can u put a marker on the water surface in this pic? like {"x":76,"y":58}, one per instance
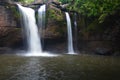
{"x":64,"y":67}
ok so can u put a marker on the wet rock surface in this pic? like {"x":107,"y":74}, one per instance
{"x":55,"y":34}
{"x":9,"y":37}
{"x":103,"y":51}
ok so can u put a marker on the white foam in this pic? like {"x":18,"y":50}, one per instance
{"x":38,"y":54}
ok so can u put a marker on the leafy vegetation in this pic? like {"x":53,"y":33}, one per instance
{"x":94,"y":8}
{"x":25,"y":1}
{"x":53,"y":13}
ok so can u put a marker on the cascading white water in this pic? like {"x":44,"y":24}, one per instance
{"x":31,"y":29}
{"x":41,"y":16}
{"x":70,"y":40}
{"x":41,"y":21}
{"x":31,"y":32}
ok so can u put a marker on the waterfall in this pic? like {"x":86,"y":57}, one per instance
{"x":70,"y":40}
{"x":41,"y":16}
{"x":75,"y":32}
{"x":30,"y":29}
{"x":41,"y":21}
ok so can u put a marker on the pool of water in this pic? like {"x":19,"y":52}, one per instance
{"x":63,"y":67}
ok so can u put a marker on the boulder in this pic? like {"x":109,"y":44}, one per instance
{"x":103,"y":51}
{"x":4,"y":50}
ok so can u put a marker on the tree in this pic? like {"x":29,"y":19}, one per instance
{"x":94,"y":8}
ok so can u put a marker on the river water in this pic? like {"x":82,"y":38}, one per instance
{"x":63,"y":67}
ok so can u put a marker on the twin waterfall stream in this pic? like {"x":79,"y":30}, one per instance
{"x":31,"y":61}
{"x":70,"y":40}
{"x":31,"y":32}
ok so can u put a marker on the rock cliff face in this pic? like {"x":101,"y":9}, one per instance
{"x":5,"y":0}
{"x":55,"y":32}
{"x":6,"y":17}
{"x":9,"y":34}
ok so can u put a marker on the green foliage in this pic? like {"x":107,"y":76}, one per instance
{"x":65,"y":1}
{"x":15,"y":12}
{"x":55,"y":15}
{"x":94,"y":8}
{"x":102,"y":17}
{"x":26,"y":1}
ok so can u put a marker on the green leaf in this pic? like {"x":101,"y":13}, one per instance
{"x":102,"y":17}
